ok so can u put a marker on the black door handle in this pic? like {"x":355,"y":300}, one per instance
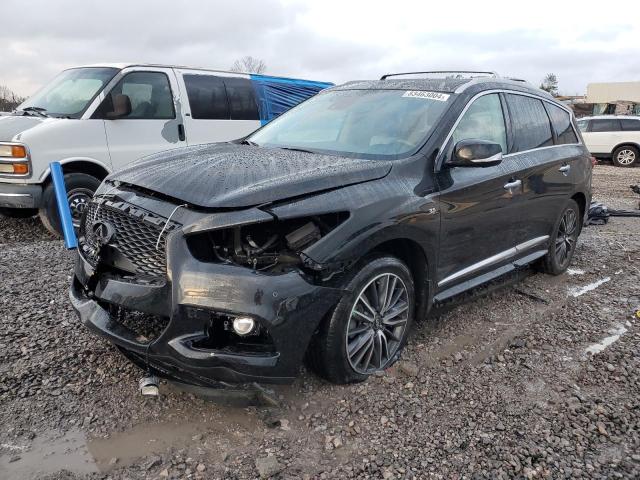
{"x":181,"y":134}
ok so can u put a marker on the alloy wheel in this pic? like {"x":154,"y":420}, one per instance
{"x":567,"y":236}
{"x":626,"y":157}
{"x":377,"y":323}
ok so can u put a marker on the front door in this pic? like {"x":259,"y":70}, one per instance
{"x":478,"y":205}
{"x":153,"y":124}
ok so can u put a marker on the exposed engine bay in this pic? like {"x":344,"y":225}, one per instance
{"x":274,"y":246}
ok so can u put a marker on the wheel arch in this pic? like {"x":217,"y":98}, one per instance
{"x":581,"y":199}
{"x":413,"y":254}
{"x":625,"y":144}
{"x":79,"y":165}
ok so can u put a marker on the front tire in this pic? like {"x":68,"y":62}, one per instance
{"x":367,"y":330}
{"x":18,"y":212}
{"x":625,"y":156}
{"x":563,"y":240}
{"x":80,"y":188}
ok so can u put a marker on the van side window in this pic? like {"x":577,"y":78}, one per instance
{"x":561,"y":121}
{"x":150,"y":96}
{"x":242,"y":99}
{"x":583,"y":125}
{"x":207,"y":97}
{"x":483,"y":120}
{"x":531,"y":127}
{"x":605,"y":125}
{"x":630,"y":124}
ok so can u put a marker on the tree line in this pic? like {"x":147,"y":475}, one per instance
{"x":8,"y":99}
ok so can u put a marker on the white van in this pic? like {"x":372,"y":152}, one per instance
{"x":99,"y":118}
{"x":615,"y":137}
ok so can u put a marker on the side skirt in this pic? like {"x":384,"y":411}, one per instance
{"x":489,"y":276}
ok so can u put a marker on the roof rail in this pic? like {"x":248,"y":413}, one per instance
{"x":459,"y":72}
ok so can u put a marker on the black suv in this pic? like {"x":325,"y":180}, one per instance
{"x":324,"y":234}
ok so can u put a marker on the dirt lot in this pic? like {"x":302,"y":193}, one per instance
{"x":503,"y":386}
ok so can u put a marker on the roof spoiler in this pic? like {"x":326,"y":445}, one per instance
{"x":460,"y":73}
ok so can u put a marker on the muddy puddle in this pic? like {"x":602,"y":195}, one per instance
{"x":47,"y":453}
{"x":74,"y":451}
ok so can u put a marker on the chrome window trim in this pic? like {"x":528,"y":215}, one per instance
{"x":514,"y":92}
{"x":498,"y":257}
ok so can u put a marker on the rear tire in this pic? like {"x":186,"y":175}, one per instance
{"x":563,"y":240}
{"x":363,"y":336}
{"x":18,"y":212}
{"x":80,"y":188}
{"x":625,"y":156}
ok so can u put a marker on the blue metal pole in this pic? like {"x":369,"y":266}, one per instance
{"x":70,"y":240}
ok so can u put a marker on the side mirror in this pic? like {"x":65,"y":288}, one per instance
{"x":121,"y":107}
{"x":475,"y":153}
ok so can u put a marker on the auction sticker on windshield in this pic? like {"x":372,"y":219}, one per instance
{"x":441,"y":97}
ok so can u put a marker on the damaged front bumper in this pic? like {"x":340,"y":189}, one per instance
{"x":192,"y":303}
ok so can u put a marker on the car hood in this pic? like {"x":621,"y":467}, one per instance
{"x":12,"y":126}
{"x":229,"y":175}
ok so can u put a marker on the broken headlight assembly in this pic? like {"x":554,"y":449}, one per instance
{"x":275,"y":246}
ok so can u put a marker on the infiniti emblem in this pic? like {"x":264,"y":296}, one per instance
{"x":103,"y":233}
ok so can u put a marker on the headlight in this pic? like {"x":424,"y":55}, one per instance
{"x":13,"y":151}
{"x":14,"y":159}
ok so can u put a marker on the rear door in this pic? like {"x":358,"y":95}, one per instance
{"x":478,"y":207}
{"x":153,"y":124}
{"x":604,"y":135}
{"x":548,"y":160}
{"x":220,"y":107}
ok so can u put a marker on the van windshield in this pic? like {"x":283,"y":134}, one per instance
{"x":377,"y":124}
{"x":69,"y":94}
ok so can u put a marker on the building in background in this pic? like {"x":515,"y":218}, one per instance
{"x":613,"y":98}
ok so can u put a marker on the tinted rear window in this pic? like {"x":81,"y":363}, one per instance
{"x":531,"y":127}
{"x":605,"y":125}
{"x":630,"y":124}
{"x":242,"y":99}
{"x":561,"y":121}
{"x":207,"y":97}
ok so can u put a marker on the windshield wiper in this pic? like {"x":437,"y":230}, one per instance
{"x":249,"y":142}
{"x":297,"y":149}
{"x":39,"y":110}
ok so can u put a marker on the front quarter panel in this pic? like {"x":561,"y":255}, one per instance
{"x":64,"y":139}
{"x":380,"y":211}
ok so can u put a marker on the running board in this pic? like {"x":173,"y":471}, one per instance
{"x":489,"y":276}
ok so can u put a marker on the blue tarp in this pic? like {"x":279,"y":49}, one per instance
{"x":276,"y":95}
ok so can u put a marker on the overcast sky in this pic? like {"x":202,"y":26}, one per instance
{"x":326,"y":40}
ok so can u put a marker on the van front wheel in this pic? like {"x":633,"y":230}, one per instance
{"x":80,"y":188}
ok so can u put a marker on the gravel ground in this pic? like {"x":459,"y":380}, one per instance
{"x":502,"y":386}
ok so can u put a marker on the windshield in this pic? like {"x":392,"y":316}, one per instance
{"x":381,"y":124}
{"x":69,"y":94}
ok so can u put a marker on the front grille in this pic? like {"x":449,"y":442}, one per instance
{"x":136,"y":235}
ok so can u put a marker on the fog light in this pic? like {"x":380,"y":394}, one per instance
{"x":243,"y":325}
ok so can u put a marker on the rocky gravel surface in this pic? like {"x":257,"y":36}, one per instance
{"x":535,"y":379}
